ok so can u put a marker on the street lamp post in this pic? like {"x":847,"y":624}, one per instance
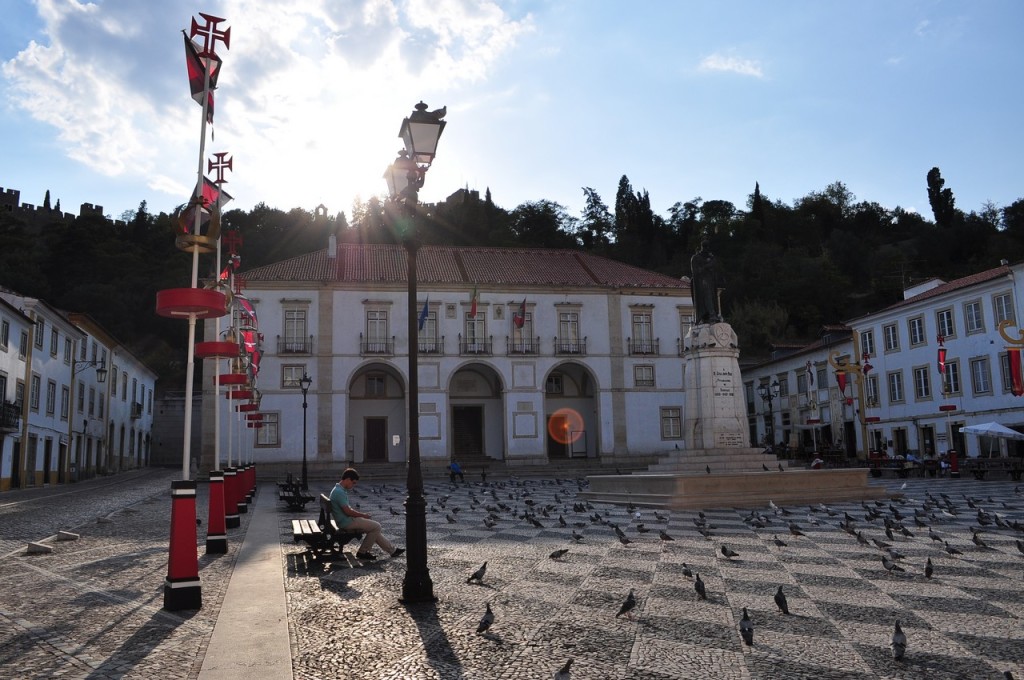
{"x":768,"y":393}
{"x":101,"y":377}
{"x":304,"y":384}
{"x":420,"y":133}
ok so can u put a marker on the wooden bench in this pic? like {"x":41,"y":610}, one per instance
{"x":323,"y":535}
{"x":291,"y":493}
{"x":979,"y":467}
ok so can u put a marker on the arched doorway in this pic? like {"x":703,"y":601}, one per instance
{"x":570,"y":412}
{"x":376,"y":413}
{"x":477,"y":415}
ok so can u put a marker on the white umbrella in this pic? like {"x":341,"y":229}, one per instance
{"x":992,"y":430}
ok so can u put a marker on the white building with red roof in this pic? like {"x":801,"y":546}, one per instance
{"x":567,"y":355}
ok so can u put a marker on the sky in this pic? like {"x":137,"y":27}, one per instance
{"x":687,"y":98}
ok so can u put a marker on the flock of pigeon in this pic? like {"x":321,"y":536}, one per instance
{"x":875,"y":526}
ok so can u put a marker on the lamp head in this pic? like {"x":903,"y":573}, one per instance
{"x":101,"y":372}
{"x":305,"y":382}
{"x":421,"y":132}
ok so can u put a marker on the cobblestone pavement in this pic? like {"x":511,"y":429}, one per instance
{"x":963,"y":622}
{"x":93,"y":608}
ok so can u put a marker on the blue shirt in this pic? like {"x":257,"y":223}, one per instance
{"x":339,"y":500}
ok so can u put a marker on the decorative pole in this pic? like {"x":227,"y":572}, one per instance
{"x":182,"y":588}
{"x":859,"y":371}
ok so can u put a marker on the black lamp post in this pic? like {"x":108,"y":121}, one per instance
{"x":304,"y":384}
{"x":101,"y":377}
{"x":420,"y":132}
{"x":768,"y":394}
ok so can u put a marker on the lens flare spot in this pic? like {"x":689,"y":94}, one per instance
{"x":565,"y":425}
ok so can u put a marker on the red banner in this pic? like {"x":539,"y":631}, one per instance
{"x":1016,"y":381}
{"x":841,"y":381}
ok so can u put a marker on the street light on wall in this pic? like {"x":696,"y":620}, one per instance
{"x":768,"y":393}
{"x":420,"y":133}
{"x":304,"y":384}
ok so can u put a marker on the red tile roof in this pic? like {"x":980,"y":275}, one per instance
{"x":956,"y":284}
{"x":451,"y":265}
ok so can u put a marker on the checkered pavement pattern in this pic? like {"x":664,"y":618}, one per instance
{"x":965,"y":621}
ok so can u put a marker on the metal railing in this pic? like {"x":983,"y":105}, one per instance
{"x":377,"y":346}
{"x":475,"y":347}
{"x":575,"y":347}
{"x":524,"y":346}
{"x":294,"y":345}
{"x":644,"y":347}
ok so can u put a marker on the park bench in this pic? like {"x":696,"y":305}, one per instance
{"x":292,"y":494}
{"x":322,"y":536}
{"x":979,"y":467}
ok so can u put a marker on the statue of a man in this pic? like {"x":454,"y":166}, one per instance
{"x":704,"y":285}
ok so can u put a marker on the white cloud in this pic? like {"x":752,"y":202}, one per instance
{"x":310,"y":97}
{"x":732,"y":64}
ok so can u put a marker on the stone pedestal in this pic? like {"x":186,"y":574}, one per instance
{"x":715,"y":408}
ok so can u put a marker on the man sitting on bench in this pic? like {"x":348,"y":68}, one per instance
{"x":349,"y":519}
{"x":456,"y":471}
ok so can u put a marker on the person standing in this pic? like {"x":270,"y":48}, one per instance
{"x":349,"y":519}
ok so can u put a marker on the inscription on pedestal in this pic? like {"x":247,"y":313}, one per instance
{"x":723,"y":385}
{"x":729,"y":440}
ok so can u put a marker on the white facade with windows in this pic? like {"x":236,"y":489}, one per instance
{"x":909,"y":404}
{"x":57,"y":414}
{"x":568,"y":355}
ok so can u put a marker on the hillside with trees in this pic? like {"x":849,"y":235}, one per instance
{"x":788,"y":268}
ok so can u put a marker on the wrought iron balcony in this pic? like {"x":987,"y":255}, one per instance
{"x":644,"y":347}
{"x":136,"y":410}
{"x":477,"y":347}
{"x":377,"y":346}
{"x":10,"y":417}
{"x":571,"y":346}
{"x":294,"y":345}
{"x":435,"y":347}
{"x":524,"y":346}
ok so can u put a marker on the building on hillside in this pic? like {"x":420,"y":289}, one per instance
{"x":525,"y":356}
{"x":907,"y":404}
{"x":68,"y":419}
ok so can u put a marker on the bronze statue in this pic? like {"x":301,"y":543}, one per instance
{"x":704,"y":285}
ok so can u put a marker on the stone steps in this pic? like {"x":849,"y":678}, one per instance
{"x":719,"y":460}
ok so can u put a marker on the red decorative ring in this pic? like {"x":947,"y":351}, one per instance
{"x":240,"y":395}
{"x":217,"y":349}
{"x":947,"y":407}
{"x":254,"y":416}
{"x":233,"y":378}
{"x":254,"y":426}
{"x":200,"y":303}
{"x":872,"y":419}
{"x":247,"y":408}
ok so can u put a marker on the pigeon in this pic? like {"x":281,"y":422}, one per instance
{"x":976,"y":539}
{"x":934,"y":536}
{"x":899,"y":643}
{"x":451,"y":518}
{"x":1020,"y":546}
{"x":486,"y":620}
{"x":780,"y":601}
{"x":561,"y":521}
{"x":746,"y":629}
{"x":778,"y":541}
{"x":642,"y":529}
{"x":627,"y":606}
{"x":728,"y":552}
{"x":861,"y":539}
{"x":891,"y":566}
{"x":663,"y":535}
{"x":951,"y":550}
{"x":576,"y":537}
{"x":563,"y":672}
{"x":558,"y":553}
{"x":658,"y":516}
{"x":393,"y":511}
{"x":687,"y":572}
{"x":698,"y":586}
{"x":707,"y":468}
{"x":624,"y":541}
{"x":478,"y":575}
{"x":781,"y":469}
{"x":795,"y":530}
{"x":928,"y":568}
{"x":765,"y":467}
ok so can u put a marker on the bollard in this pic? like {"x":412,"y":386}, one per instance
{"x":231,"y":519}
{"x":216,"y":534}
{"x":182,"y":589}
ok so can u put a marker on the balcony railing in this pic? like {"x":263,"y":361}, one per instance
{"x":435,"y":347}
{"x":643,"y":347}
{"x":10,"y":416}
{"x":566,"y":346}
{"x":524,"y":346}
{"x":294,"y":345}
{"x":377,"y":346}
{"x":136,"y":410}
{"x":475,"y":347}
